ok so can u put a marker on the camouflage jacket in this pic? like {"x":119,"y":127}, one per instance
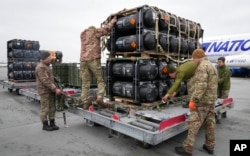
{"x":90,"y":42}
{"x":44,"y":79}
{"x":206,"y":84}
{"x":224,"y":78}
{"x":183,"y":72}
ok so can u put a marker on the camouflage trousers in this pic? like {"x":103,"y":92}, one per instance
{"x":190,"y":86}
{"x":48,"y":107}
{"x":223,"y":94}
{"x":86,"y":68}
{"x":202,"y":116}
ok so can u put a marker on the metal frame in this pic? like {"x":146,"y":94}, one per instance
{"x":30,"y":93}
{"x":123,"y":127}
{"x":17,"y":85}
{"x":121,"y":123}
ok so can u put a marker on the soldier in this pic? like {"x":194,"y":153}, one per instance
{"x":201,"y":105}
{"x":46,"y":89}
{"x":91,"y":63}
{"x":181,"y":73}
{"x":224,"y":81}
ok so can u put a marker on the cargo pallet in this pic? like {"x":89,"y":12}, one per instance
{"x":17,"y":85}
{"x":149,"y":126}
{"x":21,"y":81}
{"x":151,"y":54}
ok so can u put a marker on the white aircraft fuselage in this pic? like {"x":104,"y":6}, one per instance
{"x":235,"y":48}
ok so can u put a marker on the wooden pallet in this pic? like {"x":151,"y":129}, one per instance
{"x":126,"y":102}
{"x":148,"y":54}
{"x":23,"y":59}
{"x":123,"y":105}
{"x":153,"y":104}
{"x":19,"y":81}
{"x":130,"y":103}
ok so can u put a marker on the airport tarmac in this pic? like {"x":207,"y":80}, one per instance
{"x":21,"y":131}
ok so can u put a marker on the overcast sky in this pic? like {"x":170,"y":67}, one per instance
{"x":57,"y":24}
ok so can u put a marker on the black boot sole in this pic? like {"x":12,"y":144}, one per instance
{"x":208,"y":150}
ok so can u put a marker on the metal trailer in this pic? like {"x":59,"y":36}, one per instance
{"x":16,"y":86}
{"x":30,"y":93}
{"x":148,"y":126}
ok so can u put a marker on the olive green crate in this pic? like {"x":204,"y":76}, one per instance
{"x":75,"y":77}
{"x":69,"y":74}
{"x":60,"y":71}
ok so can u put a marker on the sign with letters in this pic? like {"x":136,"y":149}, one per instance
{"x":239,"y":147}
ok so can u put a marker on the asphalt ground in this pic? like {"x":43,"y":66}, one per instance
{"x":21,"y":131}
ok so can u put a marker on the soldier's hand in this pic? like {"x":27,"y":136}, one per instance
{"x":58,"y":91}
{"x":165,"y":98}
{"x":114,"y":19}
{"x":173,"y":95}
{"x":191,"y":105}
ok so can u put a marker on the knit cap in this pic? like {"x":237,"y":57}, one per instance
{"x":198,"y":53}
{"x":44,"y":55}
{"x":91,"y":27}
{"x":171,"y":69}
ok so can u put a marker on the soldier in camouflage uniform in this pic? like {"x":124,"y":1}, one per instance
{"x":224,"y":80}
{"x":201,"y":105}
{"x":46,"y":88}
{"x":182,"y":73}
{"x":91,"y":63}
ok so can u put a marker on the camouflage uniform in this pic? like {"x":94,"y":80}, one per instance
{"x":224,"y":82}
{"x":204,"y":94}
{"x":88,"y":67}
{"x":46,"y":89}
{"x":183,"y":72}
{"x":90,"y":60}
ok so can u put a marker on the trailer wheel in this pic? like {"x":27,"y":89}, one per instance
{"x":17,"y":92}
{"x":144,"y":144}
{"x":10,"y":90}
{"x":90,"y":123}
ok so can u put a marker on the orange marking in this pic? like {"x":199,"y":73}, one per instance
{"x":133,"y":44}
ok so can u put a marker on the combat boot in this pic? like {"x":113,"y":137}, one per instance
{"x":181,"y":151}
{"x":86,"y":105}
{"x":53,"y":125}
{"x":46,"y":126}
{"x":208,"y":150}
{"x":224,"y":115}
{"x":101,"y":103}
